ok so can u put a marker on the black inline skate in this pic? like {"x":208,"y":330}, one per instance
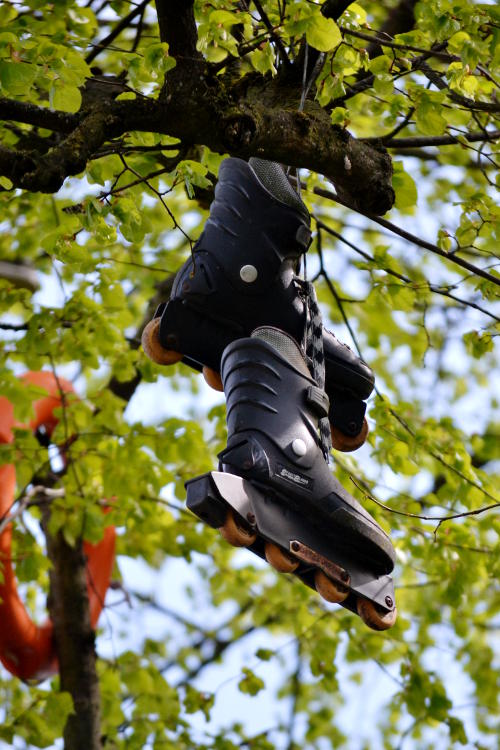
{"x":241,"y":275}
{"x":274,"y":492}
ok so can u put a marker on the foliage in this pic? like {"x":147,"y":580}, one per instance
{"x":421,"y":308}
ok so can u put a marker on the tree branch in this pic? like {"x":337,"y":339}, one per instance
{"x":440,"y":519}
{"x":443,"y":291}
{"x":20,"y":275}
{"x":400,"y":19}
{"x":75,"y":639}
{"x":178,"y":28}
{"x":440,"y":55}
{"x":123,"y":24}
{"x":440,"y":140}
{"x":46,"y":173}
{"x":435,"y":78}
{"x":452,"y":257}
{"x":276,"y":39}
{"x":253,"y":118}
{"x":31,"y":114}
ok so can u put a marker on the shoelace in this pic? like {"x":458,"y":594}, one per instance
{"x":314,"y":351}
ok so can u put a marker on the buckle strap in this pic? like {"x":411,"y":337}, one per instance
{"x":318,"y":401}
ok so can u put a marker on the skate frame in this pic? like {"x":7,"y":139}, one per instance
{"x":209,"y":496}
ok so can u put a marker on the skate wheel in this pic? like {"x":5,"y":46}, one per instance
{"x":152,"y":347}
{"x":212,"y":378}
{"x":375,"y":617}
{"x":328,"y":589}
{"x":347,"y":443}
{"x":281,"y":561}
{"x":235,"y":533}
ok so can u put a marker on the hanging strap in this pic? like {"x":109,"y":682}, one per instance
{"x":314,"y":351}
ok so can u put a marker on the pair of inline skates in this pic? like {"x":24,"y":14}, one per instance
{"x":238,"y":312}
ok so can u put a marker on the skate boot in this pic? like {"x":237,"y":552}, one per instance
{"x":241,"y":275}
{"x":275,"y":493}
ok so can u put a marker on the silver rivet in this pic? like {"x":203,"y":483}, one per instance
{"x":248,"y":274}
{"x":299,"y":447}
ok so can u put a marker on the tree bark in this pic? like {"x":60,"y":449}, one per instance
{"x":75,"y":642}
{"x":253,"y":116}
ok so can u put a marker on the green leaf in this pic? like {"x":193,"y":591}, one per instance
{"x":67,"y":98}
{"x":322,"y":33}
{"x":264,"y":654}
{"x":404,"y":187}
{"x":7,"y":13}
{"x":478,"y":343}
{"x":157,"y":58}
{"x":16,"y":77}
{"x":250,"y":683}
{"x":457,"y":730}
{"x":195,"y":700}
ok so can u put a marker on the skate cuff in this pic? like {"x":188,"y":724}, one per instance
{"x":317,"y":399}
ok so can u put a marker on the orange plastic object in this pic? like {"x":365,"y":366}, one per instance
{"x":27,"y":650}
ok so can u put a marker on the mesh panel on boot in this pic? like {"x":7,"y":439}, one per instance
{"x":274,"y":179}
{"x":285,"y":345}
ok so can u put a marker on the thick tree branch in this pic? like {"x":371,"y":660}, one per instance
{"x":31,"y":114}
{"x":46,"y":172}
{"x":178,"y":28}
{"x":254,"y":118}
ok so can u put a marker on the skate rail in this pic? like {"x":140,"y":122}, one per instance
{"x":210,"y":495}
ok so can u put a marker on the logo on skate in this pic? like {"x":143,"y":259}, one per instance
{"x":293,"y":476}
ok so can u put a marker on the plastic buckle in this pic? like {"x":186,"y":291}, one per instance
{"x":318,"y":401}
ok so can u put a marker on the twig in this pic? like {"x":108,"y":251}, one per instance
{"x":437,"y":140}
{"x":138,"y":10}
{"x":26,"y":500}
{"x":275,"y":37}
{"x":405,"y":279}
{"x":387,"y":42}
{"x":440,"y":519}
{"x":408,"y":236}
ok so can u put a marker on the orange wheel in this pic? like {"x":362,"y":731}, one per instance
{"x":152,"y":347}
{"x":235,"y":533}
{"x":212,"y":378}
{"x":281,"y":561}
{"x":375,"y":617}
{"x":346,"y":443}
{"x":328,"y":589}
